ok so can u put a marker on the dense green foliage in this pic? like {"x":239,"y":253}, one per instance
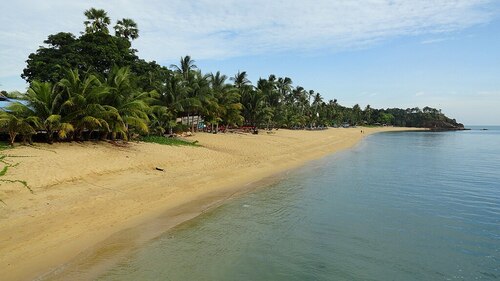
{"x":167,"y":141}
{"x":95,"y":86}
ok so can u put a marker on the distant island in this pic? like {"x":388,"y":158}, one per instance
{"x":94,"y":86}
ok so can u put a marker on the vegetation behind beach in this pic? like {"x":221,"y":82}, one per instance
{"x":94,"y":86}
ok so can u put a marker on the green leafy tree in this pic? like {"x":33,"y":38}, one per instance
{"x":95,"y":51}
{"x":386,"y":118}
{"x":47,"y":63}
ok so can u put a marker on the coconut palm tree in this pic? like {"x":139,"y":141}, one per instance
{"x":97,"y":21}
{"x":227,"y":99}
{"x":254,"y":107}
{"x":356,"y":114}
{"x":318,"y":101}
{"x":284,"y":86}
{"x":240,"y":79}
{"x":200,"y":96}
{"x":175,"y":91}
{"x":161,"y":120}
{"x":82,"y":104}
{"x":131,"y":105}
{"x":126,"y":28}
{"x":44,"y":101}
{"x":16,"y":120}
{"x":368,"y":114}
{"x":185,"y":67}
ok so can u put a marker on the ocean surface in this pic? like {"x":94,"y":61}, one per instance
{"x":398,"y":206}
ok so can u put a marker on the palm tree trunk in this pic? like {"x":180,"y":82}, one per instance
{"x":50,"y":135}
{"x":192,"y":124}
{"x":12,"y":136}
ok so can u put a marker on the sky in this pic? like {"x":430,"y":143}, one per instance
{"x":386,"y":53}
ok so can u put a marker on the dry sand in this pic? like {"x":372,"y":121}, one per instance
{"x":94,"y":200}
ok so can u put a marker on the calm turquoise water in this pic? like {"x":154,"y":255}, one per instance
{"x":399,"y":206}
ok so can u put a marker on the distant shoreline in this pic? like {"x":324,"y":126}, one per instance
{"x":92,"y":202}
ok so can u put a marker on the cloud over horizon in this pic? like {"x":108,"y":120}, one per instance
{"x":230,"y":28}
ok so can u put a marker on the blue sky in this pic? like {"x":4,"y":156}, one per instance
{"x":444,"y":54}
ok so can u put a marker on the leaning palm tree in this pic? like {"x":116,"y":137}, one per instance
{"x":126,"y":28}
{"x":97,"y":21}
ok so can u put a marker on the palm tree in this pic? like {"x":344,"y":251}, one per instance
{"x":126,"y":28}
{"x":368,"y":114}
{"x":284,"y":86}
{"x":175,"y":91}
{"x":271,"y":96}
{"x":190,"y":102}
{"x":356,"y":114}
{"x":228,"y":107}
{"x":310,"y":94}
{"x":254,"y":107}
{"x":131,"y":105}
{"x":200,"y":95}
{"x":82,"y":104}
{"x":185,"y":67}
{"x":240,"y":79}
{"x":44,"y":102}
{"x":318,"y":100}
{"x":18,"y":121}
{"x":97,"y":21}
{"x":161,"y":119}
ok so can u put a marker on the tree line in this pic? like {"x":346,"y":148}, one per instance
{"x":95,"y":86}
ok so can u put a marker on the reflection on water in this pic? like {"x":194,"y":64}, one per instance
{"x":400,"y":206}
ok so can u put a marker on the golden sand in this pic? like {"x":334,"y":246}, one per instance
{"x":84,"y":193}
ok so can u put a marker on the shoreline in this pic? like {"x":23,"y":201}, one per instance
{"x":99,"y":258}
{"x":91,"y":201}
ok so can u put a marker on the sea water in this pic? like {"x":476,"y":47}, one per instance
{"x":398,"y":206}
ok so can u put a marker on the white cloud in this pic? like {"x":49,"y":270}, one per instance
{"x":229,"y":28}
{"x":434,"y":40}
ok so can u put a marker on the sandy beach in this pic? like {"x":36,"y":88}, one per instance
{"x":86,"y":194}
